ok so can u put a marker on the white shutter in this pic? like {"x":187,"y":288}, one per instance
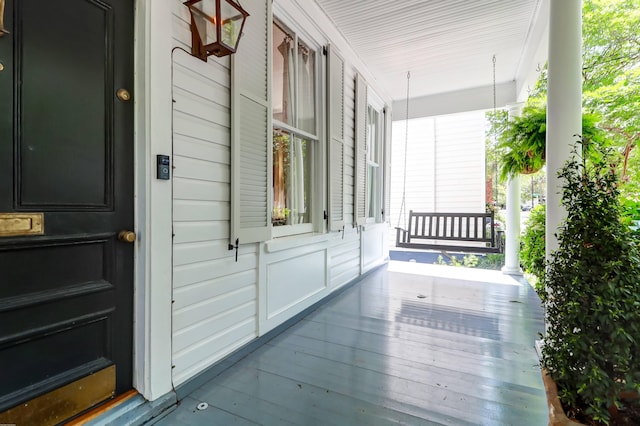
{"x":386,"y":164}
{"x":335,"y":113}
{"x":250,"y":127}
{"x":360,"y":172}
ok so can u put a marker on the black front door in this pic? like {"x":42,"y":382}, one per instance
{"x":66,"y":192}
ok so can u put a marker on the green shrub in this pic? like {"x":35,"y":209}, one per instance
{"x":631,"y":215}
{"x":491,"y":261}
{"x":592,"y":343}
{"x":532,"y":253}
{"x":468,"y":261}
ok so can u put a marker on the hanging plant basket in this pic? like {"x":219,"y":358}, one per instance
{"x":528,"y":170}
{"x":523,"y":142}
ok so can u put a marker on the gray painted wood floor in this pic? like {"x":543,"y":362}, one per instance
{"x":410,"y":344}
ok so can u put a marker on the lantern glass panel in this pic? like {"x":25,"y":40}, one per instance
{"x":204,"y":15}
{"x":231,"y":25}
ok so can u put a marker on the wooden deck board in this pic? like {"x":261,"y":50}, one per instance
{"x":378,"y":355}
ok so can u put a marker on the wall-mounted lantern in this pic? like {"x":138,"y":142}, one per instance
{"x":216,"y":27}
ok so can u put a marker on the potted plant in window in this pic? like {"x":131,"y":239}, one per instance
{"x":592,"y":298}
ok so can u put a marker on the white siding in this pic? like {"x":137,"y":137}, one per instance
{"x":219,"y":304}
{"x":445,"y":166}
{"x":214,"y":297}
{"x":460,"y":160}
{"x":344,"y":260}
{"x":419,"y":190}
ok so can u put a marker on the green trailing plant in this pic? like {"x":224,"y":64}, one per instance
{"x":532,"y":252}
{"x":522,"y":140}
{"x":592,"y":342}
{"x":522,"y":143}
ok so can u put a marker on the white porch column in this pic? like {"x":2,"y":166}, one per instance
{"x":512,"y":233}
{"x":564,"y":103}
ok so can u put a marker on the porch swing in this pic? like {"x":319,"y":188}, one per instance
{"x":459,"y":232}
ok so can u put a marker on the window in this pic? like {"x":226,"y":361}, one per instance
{"x":375,"y":141}
{"x":373,"y":164}
{"x":295,"y":133}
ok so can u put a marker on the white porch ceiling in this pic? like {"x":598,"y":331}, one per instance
{"x":446,"y":45}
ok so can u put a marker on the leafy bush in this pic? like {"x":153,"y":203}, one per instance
{"x":532,"y":253}
{"x":468,"y":261}
{"x":592,"y":343}
{"x":630,"y":210}
{"x":491,"y":261}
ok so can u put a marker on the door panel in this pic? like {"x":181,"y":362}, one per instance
{"x":66,"y":75}
{"x":66,"y":150}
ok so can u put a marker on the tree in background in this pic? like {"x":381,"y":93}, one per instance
{"x":611,"y":80}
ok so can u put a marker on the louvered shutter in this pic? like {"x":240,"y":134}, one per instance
{"x":251,"y":124}
{"x":360,"y":172}
{"x":336,"y":139}
{"x":386,"y":164}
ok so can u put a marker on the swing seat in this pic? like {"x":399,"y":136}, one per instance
{"x":464,"y":232}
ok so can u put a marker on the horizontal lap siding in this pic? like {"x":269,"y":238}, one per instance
{"x":419,"y":169}
{"x":344,"y":260}
{"x":445,"y":166}
{"x":460,"y":179}
{"x":214,"y":297}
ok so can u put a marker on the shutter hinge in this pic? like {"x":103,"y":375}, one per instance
{"x":326,"y":216}
{"x":324,"y":50}
{"x":232,"y":247}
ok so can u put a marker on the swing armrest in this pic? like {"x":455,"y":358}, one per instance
{"x":401,"y":236}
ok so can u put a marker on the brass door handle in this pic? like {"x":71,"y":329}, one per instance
{"x":127,"y":236}
{"x":2,"y":30}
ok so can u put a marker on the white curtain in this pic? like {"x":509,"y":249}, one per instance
{"x":306,"y":90}
{"x":304,"y":97}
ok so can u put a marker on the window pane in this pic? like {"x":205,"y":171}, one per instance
{"x":292,"y":158}
{"x":372,"y":184}
{"x":283,"y":75}
{"x":306,"y":89}
{"x":372,"y":135}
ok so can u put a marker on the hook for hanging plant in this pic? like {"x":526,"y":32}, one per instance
{"x":2,"y":30}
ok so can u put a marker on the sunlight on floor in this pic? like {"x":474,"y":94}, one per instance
{"x":455,"y":272}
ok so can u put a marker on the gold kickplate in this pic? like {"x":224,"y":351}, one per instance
{"x":65,"y":402}
{"x":17,"y":224}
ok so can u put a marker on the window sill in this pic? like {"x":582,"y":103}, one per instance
{"x":285,"y":243}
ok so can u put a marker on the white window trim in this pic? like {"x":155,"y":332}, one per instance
{"x":375,"y":102}
{"x":318,"y":204}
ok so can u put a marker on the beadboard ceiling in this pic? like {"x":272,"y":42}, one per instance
{"x":446,"y":45}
